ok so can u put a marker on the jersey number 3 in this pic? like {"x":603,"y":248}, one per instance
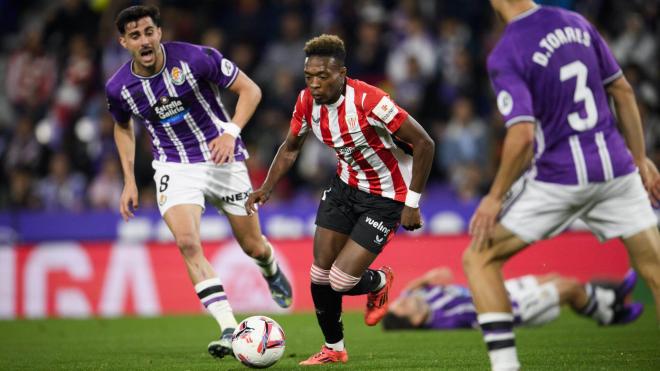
{"x":582,"y":94}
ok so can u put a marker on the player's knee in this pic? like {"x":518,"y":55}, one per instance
{"x":188,"y":244}
{"x":254,"y":247}
{"x":469,"y":259}
{"x":319,"y":276}
{"x":341,"y":281}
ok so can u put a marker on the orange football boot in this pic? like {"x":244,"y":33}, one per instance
{"x":377,"y":302}
{"x":325,"y":356}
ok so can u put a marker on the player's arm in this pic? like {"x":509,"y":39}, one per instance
{"x":284,"y":159}
{"x":630,"y":123}
{"x":412,"y":132}
{"x":654,"y":177}
{"x":125,"y":141}
{"x":516,"y":155}
{"x":249,"y":96}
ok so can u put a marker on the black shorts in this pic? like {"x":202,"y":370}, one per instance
{"x":370,"y":220}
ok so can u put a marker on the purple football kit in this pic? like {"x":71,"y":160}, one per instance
{"x":180,"y":105}
{"x":181,"y":109}
{"x":550,"y":68}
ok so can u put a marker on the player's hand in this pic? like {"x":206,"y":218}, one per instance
{"x":128,"y":201}
{"x":651,"y":179}
{"x":222,"y":148}
{"x":411,"y":219}
{"x":483,"y":221}
{"x":256,"y":199}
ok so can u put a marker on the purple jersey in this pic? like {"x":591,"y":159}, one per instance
{"x":451,"y":307}
{"x":180,"y":105}
{"x":551,"y":67}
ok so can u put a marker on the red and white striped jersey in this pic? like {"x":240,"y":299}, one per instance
{"x":359,"y":127}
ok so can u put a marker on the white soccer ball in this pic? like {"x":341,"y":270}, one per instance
{"x":258,"y":342}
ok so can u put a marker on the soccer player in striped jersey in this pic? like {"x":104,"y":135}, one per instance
{"x":383,"y":160}
{"x":433,"y":302}
{"x":552,"y":74}
{"x":173,"y":89}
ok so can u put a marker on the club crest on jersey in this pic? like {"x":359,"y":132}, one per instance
{"x":352,"y":121}
{"x":177,"y":76}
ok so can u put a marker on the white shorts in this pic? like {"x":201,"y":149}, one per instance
{"x":226,"y":186}
{"x":535,"y":304}
{"x":617,"y":208}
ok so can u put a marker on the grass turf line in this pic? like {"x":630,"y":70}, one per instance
{"x":179,"y":343}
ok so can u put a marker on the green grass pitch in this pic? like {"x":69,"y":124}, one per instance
{"x":179,"y":343}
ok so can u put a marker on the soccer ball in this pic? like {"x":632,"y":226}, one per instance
{"x":258,"y":342}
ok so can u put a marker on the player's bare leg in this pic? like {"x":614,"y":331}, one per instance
{"x":247,"y":231}
{"x":644,"y":251}
{"x":483,"y":270}
{"x":327,"y":302}
{"x":184,"y":222}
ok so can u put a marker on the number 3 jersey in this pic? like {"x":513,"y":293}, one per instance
{"x":180,"y":105}
{"x":551,"y":67}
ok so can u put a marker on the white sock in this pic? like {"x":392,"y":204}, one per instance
{"x":267,"y":266}
{"x":338,"y":346}
{"x":213,"y":297}
{"x":605,"y":298}
{"x":383,"y":280}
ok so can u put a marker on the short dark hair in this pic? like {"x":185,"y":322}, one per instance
{"x":393,"y":322}
{"x":326,"y":46}
{"x":134,"y":14}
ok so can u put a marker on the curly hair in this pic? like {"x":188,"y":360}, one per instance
{"x":326,"y":46}
{"x":135,"y":13}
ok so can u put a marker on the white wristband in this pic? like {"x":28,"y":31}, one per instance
{"x":412,"y":199}
{"x":231,"y":129}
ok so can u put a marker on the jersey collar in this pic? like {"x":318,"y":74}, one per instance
{"x":525,"y":13}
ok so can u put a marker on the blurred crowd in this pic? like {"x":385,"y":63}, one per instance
{"x":56,"y":137}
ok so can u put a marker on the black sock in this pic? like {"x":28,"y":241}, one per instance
{"x":368,"y":283}
{"x":328,"y":312}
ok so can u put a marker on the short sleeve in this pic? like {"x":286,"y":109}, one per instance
{"x":299,"y":125}
{"x":514,"y":100}
{"x":378,"y":105}
{"x":212,"y":66}
{"x":607,"y":64}
{"x":117,"y":110}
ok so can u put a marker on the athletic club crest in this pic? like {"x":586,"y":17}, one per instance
{"x":352,"y":122}
{"x":177,"y":76}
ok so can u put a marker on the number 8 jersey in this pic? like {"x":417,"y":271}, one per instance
{"x":551,"y":67}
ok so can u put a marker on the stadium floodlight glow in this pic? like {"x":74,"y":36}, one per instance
{"x":85,"y":129}
{"x":44,"y":131}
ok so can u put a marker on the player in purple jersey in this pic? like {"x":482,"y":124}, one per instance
{"x":434,"y":302}
{"x":173,"y":89}
{"x":552,"y":74}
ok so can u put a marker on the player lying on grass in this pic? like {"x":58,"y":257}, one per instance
{"x":433,"y":302}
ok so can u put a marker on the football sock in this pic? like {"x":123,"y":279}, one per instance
{"x":213,"y":297}
{"x":338,"y":346}
{"x":327,"y":303}
{"x":498,"y":335}
{"x":599,"y":304}
{"x":267,"y":266}
{"x":371,"y":280}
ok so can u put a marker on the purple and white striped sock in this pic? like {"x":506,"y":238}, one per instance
{"x":497,"y":329}
{"x":213,"y":297}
